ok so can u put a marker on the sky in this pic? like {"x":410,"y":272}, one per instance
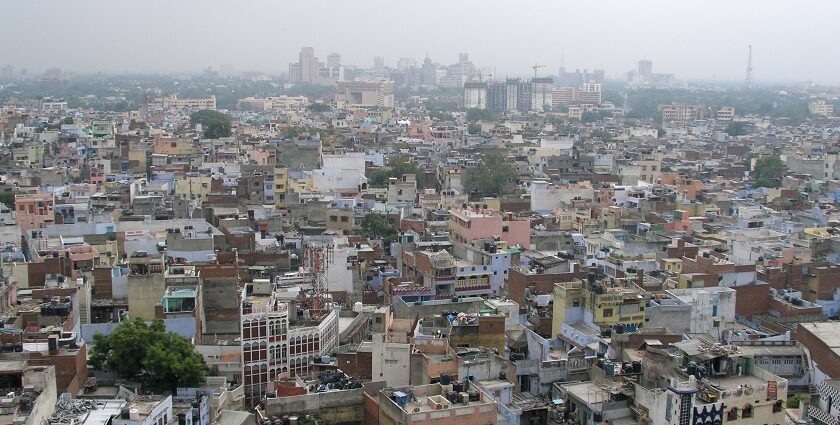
{"x":792,"y":41}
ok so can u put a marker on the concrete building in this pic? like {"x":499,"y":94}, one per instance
{"x":821,"y":107}
{"x":402,"y":191}
{"x":172,"y":101}
{"x":468,"y":225}
{"x":434,"y":403}
{"x":475,"y":95}
{"x":363,"y":93}
{"x":541,"y":94}
{"x":34,"y":211}
{"x":699,"y":310}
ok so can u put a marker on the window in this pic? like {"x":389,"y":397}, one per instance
{"x":344,"y":219}
{"x":747,"y":412}
{"x":333,"y":218}
{"x":608,"y":312}
{"x":732,"y":414}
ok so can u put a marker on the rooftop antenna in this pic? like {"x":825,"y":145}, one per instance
{"x":749,"y":81}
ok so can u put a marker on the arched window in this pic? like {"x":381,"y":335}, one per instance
{"x":732,"y":415}
{"x":747,"y":411}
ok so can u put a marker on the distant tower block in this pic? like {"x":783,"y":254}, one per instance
{"x":749,"y":80}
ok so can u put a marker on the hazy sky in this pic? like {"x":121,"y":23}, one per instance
{"x":792,"y":40}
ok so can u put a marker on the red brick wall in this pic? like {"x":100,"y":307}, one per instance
{"x":788,"y":310}
{"x":822,"y":355}
{"x":751,"y":299}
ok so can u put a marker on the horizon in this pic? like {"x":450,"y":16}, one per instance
{"x":694,"y":44}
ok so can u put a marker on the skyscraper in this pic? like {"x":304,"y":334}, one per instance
{"x":333,"y":60}
{"x":308,"y":65}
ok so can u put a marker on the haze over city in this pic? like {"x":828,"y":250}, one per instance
{"x":705,"y":40}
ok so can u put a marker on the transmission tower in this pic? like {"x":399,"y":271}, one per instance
{"x":749,"y":81}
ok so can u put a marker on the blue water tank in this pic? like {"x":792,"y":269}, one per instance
{"x":400,"y":398}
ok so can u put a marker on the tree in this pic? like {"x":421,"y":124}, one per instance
{"x":736,"y":128}
{"x":476,"y":114}
{"x":162,"y":360}
{"x":376,"y":227}
{"x":474,"y":129}
{"x":793,"y":401}
{"x":67,"y":120}
{"x":396,"y":168}
{"x":319,"y":107}
{"x":214,"y":124}
{"x":488,"y":179}
{"x":7,"y":198}
{"x":768,"y":171}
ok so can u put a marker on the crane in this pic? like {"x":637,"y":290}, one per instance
{"x":536,"y":67}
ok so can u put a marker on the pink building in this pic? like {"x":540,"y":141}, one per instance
{"x":34,"y":211}
{"x":468,"y":225}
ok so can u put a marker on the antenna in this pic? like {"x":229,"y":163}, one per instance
{"x":562,"y":58}
{"x":749,"y":81}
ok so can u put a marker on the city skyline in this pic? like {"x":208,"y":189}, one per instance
{"x":265,"y":37}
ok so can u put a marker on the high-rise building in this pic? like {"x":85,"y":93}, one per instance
{"x":511,"y":94}
{"x":463,"y":57}
{"x":308,"y":65}
{"x":475,"y":95}
{"x":333,"y":60}
{"x":406,"y":63}
{"x":644,"y":70}
{"x":541,"y":93}
{"x":379,"y":62}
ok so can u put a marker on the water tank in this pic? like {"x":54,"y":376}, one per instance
{"x":134,"y":415}
{"x":609,"y":368}
{"x":293,"y":420}
{"x":400,"y":398}
{"x":458,"y":386}
{"x":445,"y":379}
{"x":474,"y":396}
{"x":637,"y":367}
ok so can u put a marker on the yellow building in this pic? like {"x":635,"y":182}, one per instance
{"x":574,"y":301}
{"x":281,"y":186}
{"x":672,"y":266}
{"x":193,"y":188}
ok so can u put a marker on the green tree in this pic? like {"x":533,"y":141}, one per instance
{"x":7,"y":198}
{"x":396,"y":168}
{"x":319,"y":107}
{"x":474,"y":129}
{"x":376,"y":227}
{"x":214,"y":124}
{"x":476,"y":114}
{"x":489,"y":178}
{"x":602,"y":135}
{"x":793,"y":401}
{"x":162,"y":360}
{"x":768,"y":171}
{"x":736,"y":128}
{"x":67,"y":120}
